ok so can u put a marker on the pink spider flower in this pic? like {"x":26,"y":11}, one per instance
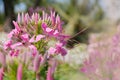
{"x":34,"y":32}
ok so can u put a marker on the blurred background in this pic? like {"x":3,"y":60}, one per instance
{"x":78,"y":15}
{"x":82,"y":19}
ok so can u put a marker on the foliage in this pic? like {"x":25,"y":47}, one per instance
{"x":66,"y":72}
{"x":80,"y":15}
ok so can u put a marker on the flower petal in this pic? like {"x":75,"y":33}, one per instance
{"x":25,"y":37}
{"x":19,"y":72}
{"x":32,"y":39}
{"x":16,"y":26}
{"x":16,"y":45}
{"x":33,"y":49}
{"x":39,"y":37}
{"x":51,"y":50}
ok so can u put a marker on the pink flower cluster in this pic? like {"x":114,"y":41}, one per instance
{"x":33,"y":33}
{"x":31,"y":29}
{"x":103,"y":62}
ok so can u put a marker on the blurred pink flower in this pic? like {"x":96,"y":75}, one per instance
{"x":33,"y":50}
{"x":1,"y":73}
{"x":2,"y":59}
{"x":51,"y":69}
{"x":49,"y":74}
{"x":7,"y":44}
{"x":19,"y":72}
{"x":16,"y":26}
{"x":104,"y":59}
{"x":60,"y":49}
{"x":36,"y":62}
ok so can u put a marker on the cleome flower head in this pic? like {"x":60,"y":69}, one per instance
{"x":36,"y":30}
{"x":28,"y":46}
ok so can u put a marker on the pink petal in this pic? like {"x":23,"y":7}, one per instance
{"x":49,"y":74}
{"x":58,"y":20}
{"x":33,"y":49}
{"x":43,"y":13}
{"x":56,"y":33}
{"x":22,"y":20}
{"x":36,"y":62}
{"x":7,"y":44}
{"x":59,"y":44}
{"x":60,"y":49}
{"x":26,"y":18}
{"x":14,"y":52}
{"x":49,"y":30}
{"x":63,"y":52}
{"x":44,"y":26}
{"x":83,"y":70}
{"x":32,"y":39}
{"x":51,"y":50}
{"x":11,"y":52}
{"x":39,"y":37}
{"x":52,"y":16}
{"x":18,"y":18}
{"x":16,"y":25}
{"x":36,"y":17}
{"x":16,"y":45}
{"x":25,"y":37}
{"x":19,"y":72}
{"x":2,"y":59}
{"x":13,"y":32}
{"x":46,"y":29}
{"x":1,"y":73}
{"x":10,"y":35}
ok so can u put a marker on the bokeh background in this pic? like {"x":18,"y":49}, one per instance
{"x":82,"y":20}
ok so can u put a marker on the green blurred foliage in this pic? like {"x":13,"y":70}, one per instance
{"x":1,"y":19}
{"x":78,"y":16}
{"x":12,"y":70}
{"x":66,"y":72}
